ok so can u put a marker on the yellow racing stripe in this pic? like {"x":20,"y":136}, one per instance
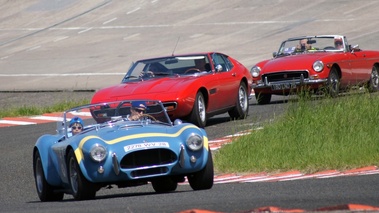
{"x":79,"y":152}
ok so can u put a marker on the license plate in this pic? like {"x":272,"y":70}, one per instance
{"x":285,"y":86}
{"x":145,"y":145}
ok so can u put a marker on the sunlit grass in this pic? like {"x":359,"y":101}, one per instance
{"x":27,"y":110}
{"x":311,"y":136}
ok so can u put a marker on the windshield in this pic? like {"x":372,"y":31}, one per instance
{"x":92,"y":116}
{"x":168,"y":66}
{"x":312,"y":44}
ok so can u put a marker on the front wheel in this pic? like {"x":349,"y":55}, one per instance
{"x":263,"y":98}
{"x":81,"y":188}
{"x":44,"y":189}
{"x":198,"y":115}
{"x":241,"y":110}
{"x":373,"y":84}
{"x":164,"y":185}
{"x":333,"y":83}
{"x":203,"y":179}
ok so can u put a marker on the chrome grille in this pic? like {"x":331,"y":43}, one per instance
{"x":285,"y":76}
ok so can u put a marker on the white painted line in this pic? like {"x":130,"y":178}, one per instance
{"x":16,"y":122}
{"x":219,"y":141}
{"x":46,"y":118}
{"x":60,"y":39}
{"x":33,"y":48}
{"x":88,"y":114}
{"x":131,"y":36}
{"x":132,"y":11}
{"x":196,"y":35}
{"x":227,"y":178}
{"x":5,"y":57}
{"x":109,"y":21}
{"x":83,"y":31}
{"x":275,"y":178}
{"x":215,"y":148}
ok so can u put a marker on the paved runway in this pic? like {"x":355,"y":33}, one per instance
{"x":89,"y":44}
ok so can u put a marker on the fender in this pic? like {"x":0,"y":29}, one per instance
{"x":43,"y":146}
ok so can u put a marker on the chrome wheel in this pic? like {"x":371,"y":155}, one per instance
{"x":201,"y":108}
{"x":374,"y":80}
{"x":73,"y":176}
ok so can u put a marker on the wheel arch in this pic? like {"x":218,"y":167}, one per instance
{"x":245,"y":81}
{"x":49,"y":170}
{"x":78,"y":153}
{"x":338,"y":69}
{"x":204,"y":91}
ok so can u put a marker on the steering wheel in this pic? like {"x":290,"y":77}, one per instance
{"x":192,"y":69}
{"x":148,"y":116}
{"x":329,"y":48}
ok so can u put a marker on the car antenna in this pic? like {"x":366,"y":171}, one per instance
{"x":175,"y":46}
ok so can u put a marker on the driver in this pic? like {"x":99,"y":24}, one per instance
{"x":338,"y":44}
{"x":303,"y":45}
{"x":137,"y":110}
{"x":200,"y":64}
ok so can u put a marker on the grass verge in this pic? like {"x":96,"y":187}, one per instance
{"x":37,"y":110}
{"x":311,"y":136}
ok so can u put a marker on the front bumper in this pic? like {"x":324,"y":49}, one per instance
{"x":288,"y":84}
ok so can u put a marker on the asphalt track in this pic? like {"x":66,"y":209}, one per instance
{"x":86,"y":45}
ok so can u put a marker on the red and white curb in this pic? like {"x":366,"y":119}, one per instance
{"x":34,"y":120}
{"x":339,"y":208}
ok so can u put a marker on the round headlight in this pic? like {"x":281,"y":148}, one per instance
{"x":255,"y":71}
{"x":195,"y":142}
{"x":318,"y":66}
{"x":98,"y":153}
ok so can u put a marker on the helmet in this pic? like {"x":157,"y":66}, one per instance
{"x":139,"y":105}
{"x":338,"y":40}
{"x":76,"y":120}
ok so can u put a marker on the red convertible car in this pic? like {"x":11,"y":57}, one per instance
{"x":192,"y":87}
{"x":324,"y":63}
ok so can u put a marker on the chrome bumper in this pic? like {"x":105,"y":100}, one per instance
{"x":287,"y":84}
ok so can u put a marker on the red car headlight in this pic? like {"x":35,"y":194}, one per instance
{"x":255,"y":71}
{"x":318,"y":66}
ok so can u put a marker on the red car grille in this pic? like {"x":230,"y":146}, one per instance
{"x":285,"y":76}
{"x":147,"y":158}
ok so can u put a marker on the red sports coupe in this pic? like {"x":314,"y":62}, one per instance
{"x":192,"y":87}
{"x":315,"y":63}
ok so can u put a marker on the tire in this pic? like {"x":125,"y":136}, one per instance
{"x":373,"y":84}
{"x":241,"y":110}
{"x":263,"y":98}
{"x":333,"y":83}
{"x":81,"y":188}
{"x":204,"y":178}
{"x":45,"y":191}
{"x":198,"y":115}
{"x":164,"y":185}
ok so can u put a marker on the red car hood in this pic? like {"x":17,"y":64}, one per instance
{"x":148,"y":89}
{"x":293,"y":62}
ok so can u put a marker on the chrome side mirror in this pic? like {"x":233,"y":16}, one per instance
{"x":177,"y":122}
{"x":218,"y":68}
{"x":355,"y":48}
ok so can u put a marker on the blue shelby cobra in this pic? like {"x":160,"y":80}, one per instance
{"x":113,"y":149}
